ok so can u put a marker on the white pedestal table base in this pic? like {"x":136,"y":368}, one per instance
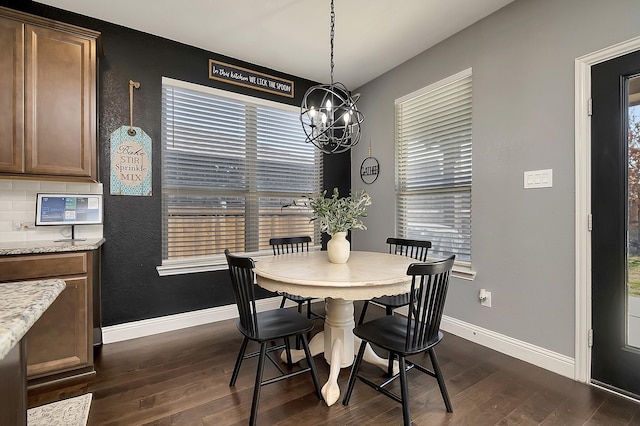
{"x":339,"y":345}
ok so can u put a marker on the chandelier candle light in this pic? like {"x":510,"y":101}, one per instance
{"x":333,"y":126}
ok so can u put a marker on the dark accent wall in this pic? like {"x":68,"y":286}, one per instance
{"x":131,"y":287}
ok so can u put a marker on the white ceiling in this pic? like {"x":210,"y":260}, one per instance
{"x":292,"y":36}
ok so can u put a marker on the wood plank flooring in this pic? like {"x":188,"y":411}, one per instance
{"x":182,"y":378}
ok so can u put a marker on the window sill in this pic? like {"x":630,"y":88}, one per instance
{"x":460,"y":270}
{"x":206,"y":263}
{"x":463,"y":271}
{"x":192,"y":266}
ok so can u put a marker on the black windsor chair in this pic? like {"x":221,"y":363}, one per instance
{"x":293,"y":245}
{"x":264,"y":327}
{"x":416,"y":249}
{"x":417,"y":333}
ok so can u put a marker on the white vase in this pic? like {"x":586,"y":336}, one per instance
{"x":338,"y":248}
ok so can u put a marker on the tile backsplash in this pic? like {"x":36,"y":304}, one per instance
{"x":18,"y":210}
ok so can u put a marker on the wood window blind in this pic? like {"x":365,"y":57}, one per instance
{"x":434,"y":166}
{"x":231,"y":169}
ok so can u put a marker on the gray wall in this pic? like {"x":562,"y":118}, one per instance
{"x":523,"y":241}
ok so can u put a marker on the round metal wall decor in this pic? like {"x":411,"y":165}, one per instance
{"x":369,"y":170}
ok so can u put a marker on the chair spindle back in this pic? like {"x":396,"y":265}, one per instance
{"x":416,"y":249}
{"x":429,"y":285}
{"x":242,"y":279}
{"x":289,"y":244}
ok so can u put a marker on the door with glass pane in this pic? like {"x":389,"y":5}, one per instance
{"x":615,"y":205}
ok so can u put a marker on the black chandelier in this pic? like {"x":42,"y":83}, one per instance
{"x":329,"y":114}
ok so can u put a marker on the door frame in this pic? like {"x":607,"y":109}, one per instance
{"x":583,"y":64}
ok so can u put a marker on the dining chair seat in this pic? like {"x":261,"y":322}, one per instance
{"x":390,"y":333}
{"x":277,"y":324}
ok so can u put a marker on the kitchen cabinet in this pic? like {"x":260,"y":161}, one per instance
{"x":60,"y":343}
{"x":13,"y":386}
{"x":48,"y":90}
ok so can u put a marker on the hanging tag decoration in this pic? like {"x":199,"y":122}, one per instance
{"x":370,"y":168}
{"x":130,"y":156}
{"x":130,"y":162}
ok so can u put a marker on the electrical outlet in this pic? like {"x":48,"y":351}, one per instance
{"x":486,"y":301}
{"x":23,"y":225}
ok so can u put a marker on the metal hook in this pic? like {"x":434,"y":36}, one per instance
{"x":132,"y":84}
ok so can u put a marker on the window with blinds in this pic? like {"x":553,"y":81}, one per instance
{"x":433,"y":166}
{"x":234,"y":169}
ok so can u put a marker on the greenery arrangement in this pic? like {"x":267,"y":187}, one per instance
{"x":337,"y":214}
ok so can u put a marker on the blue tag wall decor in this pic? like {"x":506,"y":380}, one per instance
{"x":130,"y":162}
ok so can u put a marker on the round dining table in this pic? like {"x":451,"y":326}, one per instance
{"x":365,"y":275}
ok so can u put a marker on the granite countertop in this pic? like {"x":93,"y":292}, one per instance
{"x":21,"y":304}
{"x":30,"y":247}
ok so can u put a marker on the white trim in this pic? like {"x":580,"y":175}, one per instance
{"x":582,"y":161}
{"x":541,"y":357}
{"x":218,"y":262}
{"x":536,"y":355}
{"x":438,"y":84}
{"x":463,"y":271}
{"x":532,"y":354}
{"x":583,"y":66}
{"x":148,"y":327}
{"x":191,"y":266}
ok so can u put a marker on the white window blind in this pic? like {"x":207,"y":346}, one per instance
{"x":231,"y":168}
{"x":433,"y":166}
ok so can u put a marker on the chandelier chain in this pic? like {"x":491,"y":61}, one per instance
{"x":333,"y":24}
{"x":330,"y":118}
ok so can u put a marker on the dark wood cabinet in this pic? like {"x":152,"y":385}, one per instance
{"x":61,"y":339}
{"x":60,"y":343}
{"x":13,"y":386}
{"x":11,"y":95}
{"x":48,"y":84}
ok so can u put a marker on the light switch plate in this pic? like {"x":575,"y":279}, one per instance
{"x":538,"y":179}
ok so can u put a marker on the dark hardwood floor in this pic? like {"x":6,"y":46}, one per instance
{"x":182,"y":378}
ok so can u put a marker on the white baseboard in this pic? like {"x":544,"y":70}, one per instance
{"x":541,"y":357}
{"x":133,"y":330}
{"x":544,"y":358}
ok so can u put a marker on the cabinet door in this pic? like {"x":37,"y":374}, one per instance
{"x":11,"y":96}
{"x":59,"y":340}
{"x":59,"y":103}
{"x":13,"y":386}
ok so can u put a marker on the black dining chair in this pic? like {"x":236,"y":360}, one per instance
{"x":284,"y":245}
{"x":414,"y":334}
{"x":416,"y":249}
{"x":264,"y":327}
